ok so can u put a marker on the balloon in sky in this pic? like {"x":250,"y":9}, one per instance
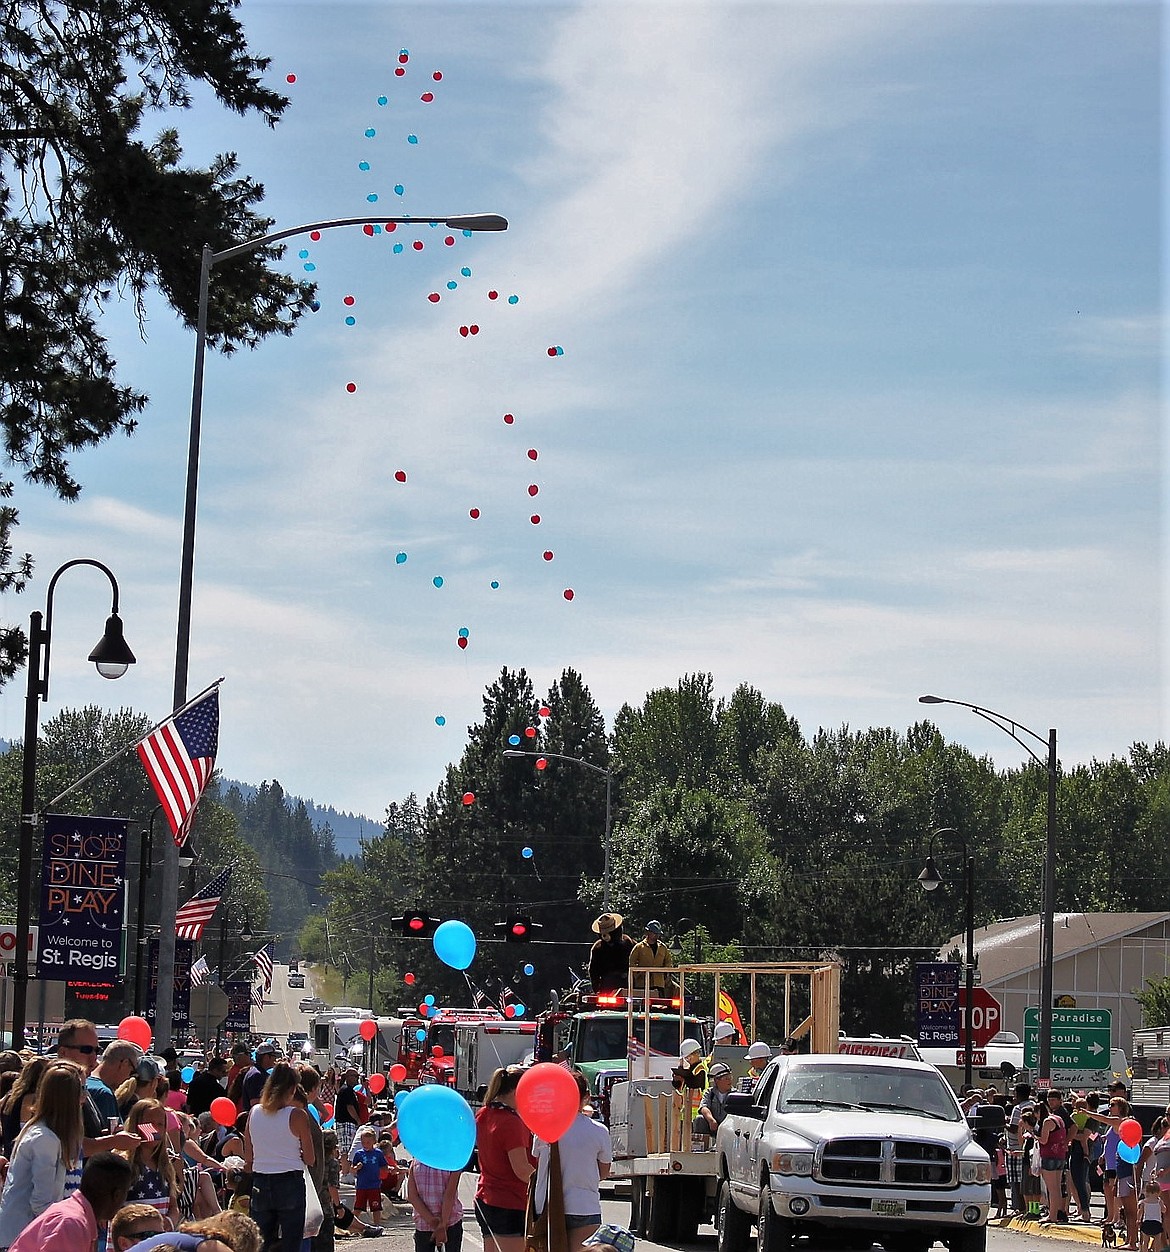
{"x":468,"y":798}
{"x":409,"y":980}
{"x":529,"y":969}
{"x":376,"y":1083}
{"x":437,"y":1127}
{"x":428,"y":999}
{"x":514,"y":740}
{"x":547,"y":1100}
{"x":541,"y":763}
{"x":440,"y":720}
{"x":544,"y":710}
{"x":455,"y":944}
{"x":526,"y":853}
{"x":400,"y":558}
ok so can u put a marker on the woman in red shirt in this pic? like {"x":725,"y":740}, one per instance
{"x":506,"y":1162}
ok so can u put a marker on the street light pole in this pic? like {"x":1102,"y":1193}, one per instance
{"x":1051,"y":764}
{"x":928,"y":880}
{"x":597,"y":769}
{"x":112,"y":658}
{"x":209,"y":259}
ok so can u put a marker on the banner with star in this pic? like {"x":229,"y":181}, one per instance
{"x":83,"y":899}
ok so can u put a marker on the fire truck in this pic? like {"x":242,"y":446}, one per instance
{"x":599,"y":1033}
{"x":439,"y":1059}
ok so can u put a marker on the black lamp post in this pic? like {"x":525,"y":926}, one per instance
{"x":209,"y":260}
{"x":929,"y":880}
{"x":112,"y":658}
{"x":1048,"y":911}
{"x":597,"y":769}
{"x":145,"y":855}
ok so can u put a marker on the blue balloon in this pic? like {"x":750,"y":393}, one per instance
{"x":526,"y":853}
{"x":314,"y":1114}
{"x":514,"y":740}
{"x":1128,"y":1154}
{"x":400,"y":1098}
{"x":187,"y":1073}
{"x":420,"y":1035}
{"x":529,"y":970}
{"x":331,"y":1124}
{"x":436,"y":1126}
{"x":455,"y":946}
{"x":518,"y":1009}
{"x":428,"y":999}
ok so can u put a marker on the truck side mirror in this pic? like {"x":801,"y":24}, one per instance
{"x":741,"y":1103}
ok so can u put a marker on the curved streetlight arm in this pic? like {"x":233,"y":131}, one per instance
{"x":559,"y":756}
{"x":46,"y":632}
{"x":463,"y":221}
{"x":1008,"y":725}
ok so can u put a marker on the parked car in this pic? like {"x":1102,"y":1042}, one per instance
{"x":312,"y":1004}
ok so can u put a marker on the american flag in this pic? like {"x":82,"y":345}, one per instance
{"x":263,"y":962}
{"x":200,"y":972}
{"x":198,"y":911}
{"x":258,"y":996}
{"x":179,"y":758}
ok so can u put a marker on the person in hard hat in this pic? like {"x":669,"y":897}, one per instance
{"x":609,"y":958}
{"x":713,"y":1107}
{"x":758,"y":1056}
{"x":725,"y":1034}
{"x":651,"y":953}
{"x":691,"y":1072}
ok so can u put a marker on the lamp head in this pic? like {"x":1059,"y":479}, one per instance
{"x":246,"y":934}
{"x":930,"y":878}
{"x":477,"y":221}
{"x":513,"y":752}
{"x":931,"y":700}
{"x":111,"y":655}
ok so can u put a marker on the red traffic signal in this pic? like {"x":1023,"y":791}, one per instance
{"x":419,"y":925}
{"x":518,"y":928}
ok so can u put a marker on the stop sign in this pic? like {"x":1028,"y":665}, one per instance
{"x":986,"y":1017}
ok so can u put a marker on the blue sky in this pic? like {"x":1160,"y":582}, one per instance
{"x":860,"y":309}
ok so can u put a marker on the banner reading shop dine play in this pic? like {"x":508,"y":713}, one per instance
{"x":83,"y":899}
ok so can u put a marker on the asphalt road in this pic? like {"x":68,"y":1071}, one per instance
{"x":280,"y":1013}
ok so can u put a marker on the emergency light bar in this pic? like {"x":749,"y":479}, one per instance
{"x":608,"y":1001}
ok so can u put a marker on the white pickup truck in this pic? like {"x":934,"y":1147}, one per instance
{"x":861,"y":1149}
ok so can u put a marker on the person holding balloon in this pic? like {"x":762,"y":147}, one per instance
{"x":585,"y":1152}
{"x":505,"y":1163}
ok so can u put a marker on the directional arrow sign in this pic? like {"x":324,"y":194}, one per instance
{"x":1080,"y":1038}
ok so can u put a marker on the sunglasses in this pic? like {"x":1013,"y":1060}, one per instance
{"x":86,"y":1049}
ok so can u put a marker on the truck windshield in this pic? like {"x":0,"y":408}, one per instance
{"x":604,"y":1038}
{"x":875,"y":1088}
{"x":442,"y":1037}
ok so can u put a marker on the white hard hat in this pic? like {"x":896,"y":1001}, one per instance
{"x":688,"y":1047}
{"x":724,"y":1031}
{"x":757,"y":1050}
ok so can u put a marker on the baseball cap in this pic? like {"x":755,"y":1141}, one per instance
{"x":615,"y":1236}
{"x":654,"y":927}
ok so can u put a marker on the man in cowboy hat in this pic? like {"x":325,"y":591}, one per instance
{"x":609,"y":958}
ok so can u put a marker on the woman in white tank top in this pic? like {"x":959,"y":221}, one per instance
{"x":277,"y":1143}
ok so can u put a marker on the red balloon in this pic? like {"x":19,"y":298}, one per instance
{"x":400,"y":476}
{"x":544,"y":710}
{"x":469,"y":797}
{"x":368,"y":1029}
{"x":568,"y":593}
{"x":422,"y":1008}
{"x":409,"y":980}
{"x":223,"y":1111}
{"x":462,"y":642}
{"x":530,"y":732}
{"x":328,"y":1111}
{"x":376,"y":1084}
{"x":533,"y":489}
{"x":508,"y":419}
{"x":437,"y":1050}
{"x":398,"y":1073}
{"x":532,"y":454}
{"x":547,"y":1100}
{"x":1130,"y":1132}
{"x":137,"y":1030}
{"x":541,"y":763}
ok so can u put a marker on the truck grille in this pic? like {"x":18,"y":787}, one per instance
{"x":886,"y":1162}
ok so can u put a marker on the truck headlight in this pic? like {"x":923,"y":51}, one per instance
{"x":975,"y":1171}
{"x":797,"y":1163}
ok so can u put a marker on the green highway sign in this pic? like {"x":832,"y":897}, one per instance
{"x":1081,"y":1038}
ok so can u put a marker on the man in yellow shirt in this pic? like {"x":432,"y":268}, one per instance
{"x":651,"y":953}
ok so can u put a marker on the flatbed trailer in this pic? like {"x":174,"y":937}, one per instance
{"x":672,"y":1174}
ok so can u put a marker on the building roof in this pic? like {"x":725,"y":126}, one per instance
{"x":1009,"y":948}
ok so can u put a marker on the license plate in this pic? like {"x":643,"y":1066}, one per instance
{"x":889,"y":1208}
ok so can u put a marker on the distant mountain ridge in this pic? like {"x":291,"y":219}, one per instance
{"x":348,"y":828}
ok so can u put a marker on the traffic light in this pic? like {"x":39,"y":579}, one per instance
{"x":518,"y":928}
{"x":418,"y":925}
